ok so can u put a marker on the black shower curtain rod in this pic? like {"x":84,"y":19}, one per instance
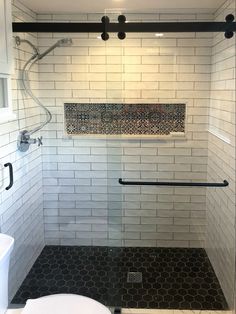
{"x":229,"y":27}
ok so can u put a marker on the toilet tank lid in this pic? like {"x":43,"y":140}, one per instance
{"x":64,"y":304}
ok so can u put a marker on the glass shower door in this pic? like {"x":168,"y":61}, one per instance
{"x":158,"y":236}
{"x":114,"y":100}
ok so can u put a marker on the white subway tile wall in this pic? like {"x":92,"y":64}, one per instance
{"x":68,"y":193}
{"x":220,"y":236}
{"x":83,"y":202}
{"x":21,"y":208}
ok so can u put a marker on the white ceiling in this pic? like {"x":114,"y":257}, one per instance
{"x":88,"y":6}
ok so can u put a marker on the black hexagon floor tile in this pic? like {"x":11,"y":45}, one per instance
{"x":173,"y":278}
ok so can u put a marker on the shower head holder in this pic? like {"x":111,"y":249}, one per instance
{"x":19,"y":40}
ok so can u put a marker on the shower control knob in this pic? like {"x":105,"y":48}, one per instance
{"x":24,"y":141}
{"x":40,"y":143}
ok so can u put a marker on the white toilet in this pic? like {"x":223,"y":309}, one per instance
{"x":64,"y":304}
{"x":53,"y":304}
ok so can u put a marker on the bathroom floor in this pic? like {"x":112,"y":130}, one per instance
{"x":171,"y":278}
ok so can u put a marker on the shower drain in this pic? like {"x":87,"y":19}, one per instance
{"x":134,"y":277}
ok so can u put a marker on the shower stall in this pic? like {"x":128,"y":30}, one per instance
{"x":138,"y":162}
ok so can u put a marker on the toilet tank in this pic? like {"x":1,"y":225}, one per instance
{"x":6,"y":247}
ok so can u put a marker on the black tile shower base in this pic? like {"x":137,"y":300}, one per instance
{"x":172,"y":278}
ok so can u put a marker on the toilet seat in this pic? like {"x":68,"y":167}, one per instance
{"x":64,"y":304}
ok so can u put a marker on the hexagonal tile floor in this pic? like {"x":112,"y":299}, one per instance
{"x":172,"y":278}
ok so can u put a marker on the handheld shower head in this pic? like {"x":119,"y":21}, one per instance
{"x":64,"y":42}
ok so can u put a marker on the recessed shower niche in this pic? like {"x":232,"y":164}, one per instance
{"x":127,"y":119}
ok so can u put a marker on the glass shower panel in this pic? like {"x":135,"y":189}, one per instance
{"x":221,"y":158}
{"x":158,"y":92}
{"x":147,"y":65}
{"x":140,"y":109}
{"x":133,"y":105}
{"x":114,"y":101}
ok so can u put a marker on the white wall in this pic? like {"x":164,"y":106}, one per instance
{"x":220,"y":236}
{"x":83,"y":202}
{"x":21,"y":208}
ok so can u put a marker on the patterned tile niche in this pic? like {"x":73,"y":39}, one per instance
{"x":127,"y":119}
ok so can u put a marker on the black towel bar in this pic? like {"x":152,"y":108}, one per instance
{"x":223,"y":184}
{"x":10,"y":175}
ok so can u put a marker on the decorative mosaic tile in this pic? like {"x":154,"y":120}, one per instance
{"x":128,"y":119}
{"x":172,"y":278}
